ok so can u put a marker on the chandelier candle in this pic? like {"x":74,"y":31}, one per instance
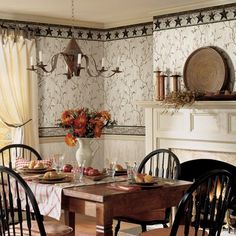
{"x":40,"y":56}
{"x":118,"y":62}
{"x":31,"y":61}
{"x":79,"y":59}
{"x":103,"y":62}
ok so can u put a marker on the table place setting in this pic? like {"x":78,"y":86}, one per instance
{"x":138,"y":183}
{"x":48,"y":188}
{"x":47,"y":179}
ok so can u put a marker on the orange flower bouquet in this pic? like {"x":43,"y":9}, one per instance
{"x":84,"y":123}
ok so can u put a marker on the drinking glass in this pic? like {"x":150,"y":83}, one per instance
{"x":113,"y":169}
{"x":131,"y":171}
{"x":58,"y":160}
{"x":78,"y":172}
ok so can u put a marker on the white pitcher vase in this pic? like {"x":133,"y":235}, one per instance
{"x":85,"y":153}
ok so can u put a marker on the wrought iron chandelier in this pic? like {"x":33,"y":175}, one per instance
{"x":73,"y":57}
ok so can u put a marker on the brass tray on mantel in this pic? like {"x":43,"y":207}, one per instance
{"x":205,"y":71}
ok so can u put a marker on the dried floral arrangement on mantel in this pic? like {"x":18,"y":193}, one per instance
{"x":177,"y":99}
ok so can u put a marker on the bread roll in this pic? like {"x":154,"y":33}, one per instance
{"x":50,"y":175}
{"x":148,"y":179}
{"x":139,"y":178}
{"x":119,"y":167}
{"x":39,"y":165}
{"x":32,"y":164}
{"x":46,"y":175}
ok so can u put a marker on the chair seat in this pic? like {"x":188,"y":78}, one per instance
{"x":154,"y":215}
{"x":166,"y":232}
{"x":52,"y":228}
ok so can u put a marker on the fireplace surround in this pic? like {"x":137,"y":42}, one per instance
{"x":202,"y":135}
{"x":206,"y":129}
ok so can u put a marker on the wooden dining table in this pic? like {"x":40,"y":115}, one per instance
{"x":104,"y":202}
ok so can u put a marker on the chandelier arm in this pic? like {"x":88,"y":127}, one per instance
{"x":108,"y":76}
{"x":53,"y":63}
{"x":95,"y":65}
{"x":99,"y":73}
{"x":54,"y":60}
{"x":87,"y":67}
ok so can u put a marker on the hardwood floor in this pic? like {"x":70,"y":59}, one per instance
{"x":86,"y":226}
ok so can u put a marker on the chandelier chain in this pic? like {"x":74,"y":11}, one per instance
{"x":73,"y":13}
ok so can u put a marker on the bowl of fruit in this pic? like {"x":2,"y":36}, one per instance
{"x":93,"y":174}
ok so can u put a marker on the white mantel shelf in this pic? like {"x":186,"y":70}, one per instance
{"x":227,"y":104}
{"x":203,"y":126}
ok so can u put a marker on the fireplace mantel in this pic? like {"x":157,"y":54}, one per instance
{"x":203,"y":126}
{"x":195,"y":105}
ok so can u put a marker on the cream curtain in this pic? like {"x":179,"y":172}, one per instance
{"x":19,"y":89}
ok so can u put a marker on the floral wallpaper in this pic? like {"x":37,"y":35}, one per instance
{"x":57,"y":93}
{"x":116,"y":94}
{"x":134,"y":83}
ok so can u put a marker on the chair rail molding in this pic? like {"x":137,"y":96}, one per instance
{"x":203,"y":126}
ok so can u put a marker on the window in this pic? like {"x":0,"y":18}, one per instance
{"x":5,"y":135}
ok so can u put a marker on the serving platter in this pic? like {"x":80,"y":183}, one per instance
{"x":205,"y":70}
{"x":96,"y":177}
{"x":59,"y":177}
{"x":146,"y":185}
{"x":55,"y":181}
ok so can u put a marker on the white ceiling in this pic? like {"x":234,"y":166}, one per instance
{"x":97,"y":13}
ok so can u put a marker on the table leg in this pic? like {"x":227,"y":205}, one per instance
{"x":70,"y":221}
{"x":104,"y":220}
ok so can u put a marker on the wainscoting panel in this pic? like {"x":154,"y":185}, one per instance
{"x":120,"y":148}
